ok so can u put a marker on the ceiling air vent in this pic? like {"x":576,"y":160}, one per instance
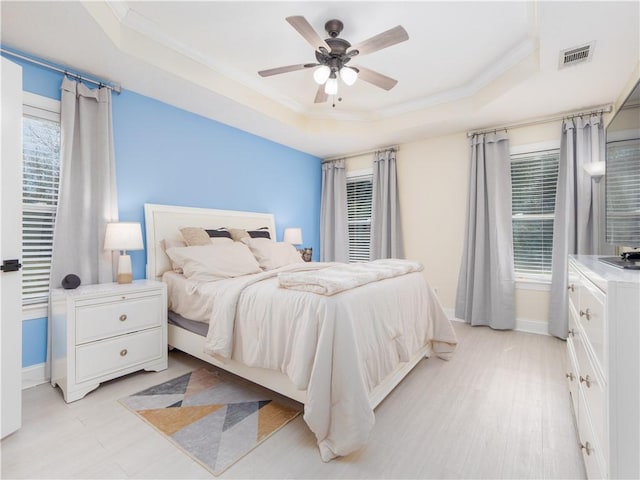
{"x":576,"y":55}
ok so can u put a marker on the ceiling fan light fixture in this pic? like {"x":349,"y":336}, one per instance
{"x":331,"y":87}
{"x":321,"y":74}
{"x":348,"y":75}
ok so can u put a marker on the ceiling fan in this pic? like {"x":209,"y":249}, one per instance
{"x":333,"y":55}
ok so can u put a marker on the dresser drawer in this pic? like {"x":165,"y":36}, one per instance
{"x":592,"y":318}
{"x":574,"y":288}
{"x":572,"y":375}
{"x":589,"y":444}
{"x":592,"y":388}
{"x":97,"y":321}
{"x":108,"y":356}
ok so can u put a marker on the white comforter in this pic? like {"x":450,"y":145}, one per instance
{"x":337,"y":348}
{"x":343,"y":276}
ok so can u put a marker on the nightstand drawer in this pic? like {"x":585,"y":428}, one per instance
{"x":108,"y":356}
{"x":105,"y":320}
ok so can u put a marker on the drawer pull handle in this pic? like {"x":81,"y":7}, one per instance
{"x":571,"y":288}
{"x":587,"y":448}
{"x":571,"y":333}
{"x":570,"y":376}
{"x":123,"y":317}
{"x":586,"y":314}
{"x":586,"y":380}
{"x":123,"y":352}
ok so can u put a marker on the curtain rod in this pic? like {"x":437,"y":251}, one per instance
{"x":111,"y":86}
{"x":358,"y":154}
{"x":594,"y":110}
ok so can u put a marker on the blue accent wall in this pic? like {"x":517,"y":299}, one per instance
{"x":34,"y":341}
{"x":167,"y":155}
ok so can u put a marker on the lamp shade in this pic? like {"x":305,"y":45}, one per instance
{"x":595,"y":169}
{"x":293,"y":235}
{"x":123,"y":236}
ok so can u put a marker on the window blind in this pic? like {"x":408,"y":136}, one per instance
{"x":41,"y":172}
{"x":359,"y":198}
{"x":533,"y":194}
{"x":623,"y":193}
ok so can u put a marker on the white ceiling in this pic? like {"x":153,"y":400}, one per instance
{"x":466,"y":65}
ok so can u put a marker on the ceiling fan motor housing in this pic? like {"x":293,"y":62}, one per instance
{"x":337,"y":57}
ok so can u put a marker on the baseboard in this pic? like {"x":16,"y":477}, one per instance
{"x":532,"y":326}
{"x":34,"y":375}
{"x":522,"y":325}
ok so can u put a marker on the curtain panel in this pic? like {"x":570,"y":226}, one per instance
{"x":87,"y":198}
{"x":334,"y":226}
{"x":386,"y":228}
{"x":576,"y":230}
{"x":486,"y":286}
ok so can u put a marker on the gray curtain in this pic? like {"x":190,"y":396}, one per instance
{"x":575,"y":228}
{"x":334,"y":227}
{"x":386,"y":229}
{"x":486,"y":288}
{"x":87,"y":198}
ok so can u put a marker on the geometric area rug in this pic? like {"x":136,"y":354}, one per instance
{"x":214,"y":420}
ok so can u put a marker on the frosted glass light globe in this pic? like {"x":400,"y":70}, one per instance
{"x":331,"y":87}
{"x":321,"y":74}
{"x":348,"y":75}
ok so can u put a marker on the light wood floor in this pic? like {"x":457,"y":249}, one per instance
{"x":499,"y":409}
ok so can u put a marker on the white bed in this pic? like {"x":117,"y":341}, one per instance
{"x":340,"y":428}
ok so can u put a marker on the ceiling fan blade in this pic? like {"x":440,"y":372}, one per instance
{"x":321,"y":96}
{"x":375,"y":78}
{"x":288,"y":68}
{"x":380,"y":41}
{"x":305,"y":29}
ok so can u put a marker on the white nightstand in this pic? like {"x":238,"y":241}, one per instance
{"x":100,"y":332}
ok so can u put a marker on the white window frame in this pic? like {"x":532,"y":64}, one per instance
{"x":356,"y":174}
{"x":48,"y":109}
{"x":533,"y":281}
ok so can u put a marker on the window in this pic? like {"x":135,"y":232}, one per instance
{"x":359,"y":198}
{"x":41,"y":173}
{"x":533,"y":193}
{"x":623,"y":193}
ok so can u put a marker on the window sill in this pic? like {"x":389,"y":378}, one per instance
{"x":533,"y":282}
{"x":31,"y":312}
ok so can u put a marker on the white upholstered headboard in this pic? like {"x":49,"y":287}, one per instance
{"x":165,"y":221}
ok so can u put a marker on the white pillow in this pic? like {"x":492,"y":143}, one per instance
{"x":215,"y":261}
{"x":167,"y":243}
{"x":220,"y":240}
{"x":171,"y":243}
{"x":272,"y":254}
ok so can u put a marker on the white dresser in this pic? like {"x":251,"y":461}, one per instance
{"x":100,"y":332}
{"x":603,"y":372}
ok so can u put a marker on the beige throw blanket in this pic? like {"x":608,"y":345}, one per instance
{"x":337,"y":278}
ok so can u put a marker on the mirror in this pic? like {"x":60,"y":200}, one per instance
{"x":622,"y":178}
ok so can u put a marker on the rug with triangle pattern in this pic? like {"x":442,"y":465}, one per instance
{"x":212,"y":418}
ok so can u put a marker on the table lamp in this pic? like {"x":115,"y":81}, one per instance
{"x":293,"y":235}
{"x":123,"y":236}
